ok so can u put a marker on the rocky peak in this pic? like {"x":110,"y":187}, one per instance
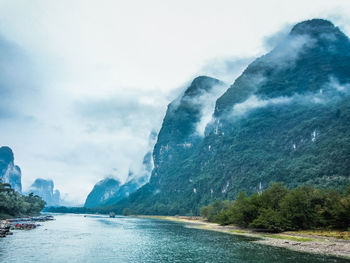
{"x":314,"y":27}
{"x":201,"y":84}
{"x":6,"y":154}
{"x":9,"y":172}
{"x":42,"y":183}
{"x":45,"y":189}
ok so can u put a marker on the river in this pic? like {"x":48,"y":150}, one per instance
{"x":94,"y":238}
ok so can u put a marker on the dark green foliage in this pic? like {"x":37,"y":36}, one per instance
{"x":302,"y":207}
{"x":278,"y":209}
{"x":212,"y":211}
{"x":128,"y":212}
{"x":269,"y":220}
{"x":13,"y":204}
{"x":243,"y":210}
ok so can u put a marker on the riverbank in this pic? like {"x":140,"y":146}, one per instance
{"x":330,"y":243}
{"x":23,"y":223}
{"x":5,"y":228}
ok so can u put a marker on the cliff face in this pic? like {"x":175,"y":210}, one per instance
{"x":45,"y":189}
{"x":9,"y":172}
{"x":183,"y":126}
{"x":285,"y":119}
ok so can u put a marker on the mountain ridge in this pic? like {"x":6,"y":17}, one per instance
{"x":285,"y":119}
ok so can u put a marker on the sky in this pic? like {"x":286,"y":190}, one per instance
{"x":83,"y":83}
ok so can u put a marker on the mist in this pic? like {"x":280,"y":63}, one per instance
{"x":82,"y":88}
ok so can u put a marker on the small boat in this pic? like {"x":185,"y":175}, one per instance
{"x":112,"y":215}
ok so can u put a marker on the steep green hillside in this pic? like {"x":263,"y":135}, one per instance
{"x":179,"y":135}
{"x":286,"y":119}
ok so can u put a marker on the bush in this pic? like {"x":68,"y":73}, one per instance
{"x":278,"y":209}
{"x":213,"y":212}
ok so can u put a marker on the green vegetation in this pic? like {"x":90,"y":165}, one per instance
{"x":291,"y":238}
{"x":212,"y":212}
{"x":13,"y":204}
{"x":279,"y":209}
{"x":345,"y":235}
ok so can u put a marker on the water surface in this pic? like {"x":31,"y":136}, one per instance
{"x":75,"y":238}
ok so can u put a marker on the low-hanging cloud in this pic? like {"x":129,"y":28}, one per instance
{"x":331,"y":92}
{"x":275,"y":39}
{"x":253,"y":102}
{"x":129,"y":109}
{"x":206,"y":101}
{"x":289,"y":50}
{"x":334,"y":83}
{"x":226,"y":69}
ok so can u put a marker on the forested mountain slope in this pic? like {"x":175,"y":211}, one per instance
{"x":285,"y":119}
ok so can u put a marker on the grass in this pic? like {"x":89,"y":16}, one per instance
{"x":237,"y":231}
{"x":290,"y":238}
{"x":344,"y":235}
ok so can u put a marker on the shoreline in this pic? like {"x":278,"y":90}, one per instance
{"x":21,"y":223}
{"x":5,"y":228}
{"x":301,"y":241}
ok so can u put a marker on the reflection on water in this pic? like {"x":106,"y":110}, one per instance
{"x":75,"y":238}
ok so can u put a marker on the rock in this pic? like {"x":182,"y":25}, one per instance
{"x":4,"y":228}
{"x":45,"y":189}
{"x":9,"y":172}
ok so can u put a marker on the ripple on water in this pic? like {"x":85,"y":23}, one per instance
{"x":75,"y":238}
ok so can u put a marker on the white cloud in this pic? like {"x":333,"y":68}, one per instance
{"x":289,"y":50}
{"x":253,"y":102}
{"x":207,"y":105}
{"x":334,"y":83}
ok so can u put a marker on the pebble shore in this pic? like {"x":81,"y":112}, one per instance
{"x":337,"y":248}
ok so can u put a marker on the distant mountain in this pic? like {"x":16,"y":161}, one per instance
{"x":102,"y":192}
{"x":9,"y":172}
{"x":285,"y":119}
{"x":109,"y":191}
{"x":45,"y":189}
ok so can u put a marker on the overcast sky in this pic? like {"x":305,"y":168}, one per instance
{"x":83,"y":83}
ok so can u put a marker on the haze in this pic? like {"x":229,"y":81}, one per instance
{"x":82,"y":87}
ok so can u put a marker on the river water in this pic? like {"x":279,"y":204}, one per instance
{"x":75,"y":238}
